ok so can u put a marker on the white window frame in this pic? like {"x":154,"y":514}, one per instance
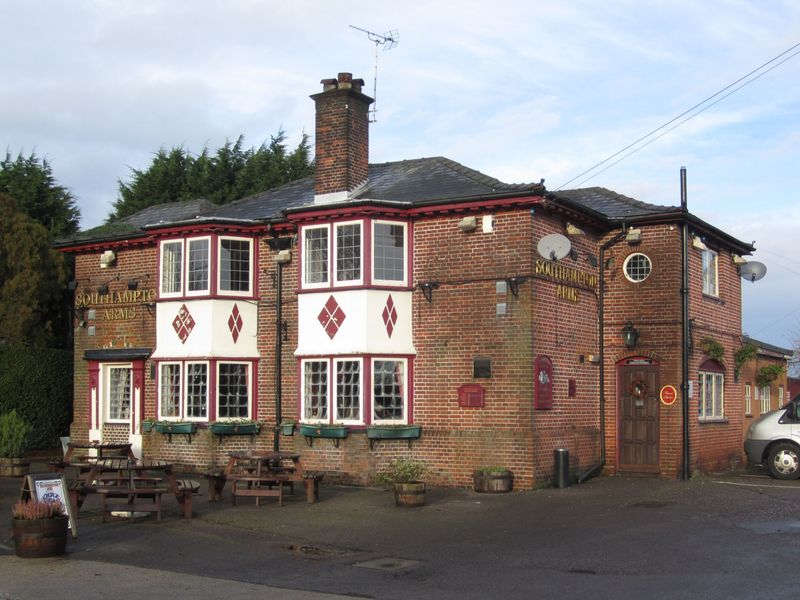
{"x":710,"y":272}
{"x":251,"y":263}
{"x":160,"y":383}
{"x":404,"y":362}
{"x":390,"y":282}
{"x":333,"y":391}
{"x":180,"y":270}
{"x":304,"y":400}
{"x":766,"y":400}
{"x":106,"y":391}
{"x":748,"y":403}
{"x":333,"y":270}
{"x":780,"y":396}
{"x":627,"y":262}
{"x":327,"y":272}
{"x":187,"y":253}
{"x":249,"y":372}
{"x":718,"y":401}
{"x":184,"y":388}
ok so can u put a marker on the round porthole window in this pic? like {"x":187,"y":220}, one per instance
{"x":637,"y":267}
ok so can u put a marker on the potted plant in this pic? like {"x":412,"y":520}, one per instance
{"x":148,"y":425}
{"x":405,"y":476}
{"x":14,"y":432}
{"x":492,"y":480}
{"x":39,"y":529}
{"x":187,"y":428}
{"x":287,"y":427}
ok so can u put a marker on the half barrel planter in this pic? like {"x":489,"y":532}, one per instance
{"x":409,"y":494}
{"x":40,"y":538}
{"x":493,"y":482}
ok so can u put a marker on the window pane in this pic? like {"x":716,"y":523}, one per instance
{"x":348,"y":252}
{"x":198,"y":265}
{"x":171,"y":267}
{"x":389,"y":254}
{"x":197,"y":391}
{"x":718,"y":388}
{"x":348,"y":390}
{"x":119,"y":393}
{"x":233,"y":396}
{"x":234,"y":265}
{"x":170,"y":390}
{"x":315,"y":255}
{"x":387,"y":390}
{"x":637,"y":267}
{"x":315,"y":389}
{"x":710,"y":272}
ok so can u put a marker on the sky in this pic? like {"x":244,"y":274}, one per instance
{"x":519,"y":90}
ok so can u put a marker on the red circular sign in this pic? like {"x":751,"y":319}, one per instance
{"x":668,"y":394}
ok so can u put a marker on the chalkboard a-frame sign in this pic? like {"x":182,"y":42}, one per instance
{"x":49,"y":487}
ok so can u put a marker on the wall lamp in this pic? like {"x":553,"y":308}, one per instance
{"x":133,"y":284}
{"x":514,"y":282}
{"x":634,"y":236}
{"x":103,"y":289}
{"x":630,"y":335}
{"x":427,"y":289}
{"x":468,"y":224}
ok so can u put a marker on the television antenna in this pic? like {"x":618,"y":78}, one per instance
{"x":388,"y":40}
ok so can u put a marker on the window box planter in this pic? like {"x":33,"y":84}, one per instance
{"x":393,"y":432}
{"x":287,"y":427}
{"x":175,"y":427}
{"x":223,"y":428}
{"x":334,"y":432}
{"x":147,"y":426}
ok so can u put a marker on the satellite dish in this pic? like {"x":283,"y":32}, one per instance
{"x":554,"y":246}
{"x":752,"y":270}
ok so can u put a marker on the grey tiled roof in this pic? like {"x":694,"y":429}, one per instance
{"x":611,"y":205}
{"x":417,"y":181}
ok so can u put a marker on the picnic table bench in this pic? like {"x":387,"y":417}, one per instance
{"x":263,"y":474}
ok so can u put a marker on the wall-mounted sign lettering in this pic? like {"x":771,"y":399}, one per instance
{"x":569,"y":279}
{"x":116,"y":306}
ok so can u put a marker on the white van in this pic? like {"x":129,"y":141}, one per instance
{"x":773,"y":440}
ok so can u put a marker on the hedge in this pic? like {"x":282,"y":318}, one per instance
{"x":37,"y":383}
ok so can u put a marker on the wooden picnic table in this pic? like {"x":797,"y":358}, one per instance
{"x":264,"y":474}
{"x":132,"y":479}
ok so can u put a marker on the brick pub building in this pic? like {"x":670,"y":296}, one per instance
{"x":497,"y":322}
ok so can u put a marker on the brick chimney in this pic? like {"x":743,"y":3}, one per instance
{"x":342,"y":138}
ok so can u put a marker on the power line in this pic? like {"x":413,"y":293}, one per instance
{"x":684,"y":113}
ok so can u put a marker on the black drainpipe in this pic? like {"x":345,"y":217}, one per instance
{"x":278,"y":353}
{"x":685,"y":324}
{"x":601,"y":330}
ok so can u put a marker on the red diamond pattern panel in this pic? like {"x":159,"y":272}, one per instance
{"x":235,"y":323}
{"x":389,"y":315}
{"x":331,"y":317}
{"x":183,"y":323}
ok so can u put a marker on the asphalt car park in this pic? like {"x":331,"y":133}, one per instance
{"x":723,"y":536}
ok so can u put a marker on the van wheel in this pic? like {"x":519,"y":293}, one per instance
{"x":784,"y":461}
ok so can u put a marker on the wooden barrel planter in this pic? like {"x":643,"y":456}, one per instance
{"x":493,"y":482}
{"x":40,"y":538}
{"x":409,"y":494}
{"x":14,"y":467}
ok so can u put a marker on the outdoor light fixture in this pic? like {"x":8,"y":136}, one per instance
{"x":427,"y":289}
{"x":630,"y":335}
{"x":513,"y":284}
{"x":634,"y":236}
{"x":103,"y":289}
{"x":133,"y":285}
{"x":468,"y":224}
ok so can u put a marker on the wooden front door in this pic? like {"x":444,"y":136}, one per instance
{"x":638,"y":418}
